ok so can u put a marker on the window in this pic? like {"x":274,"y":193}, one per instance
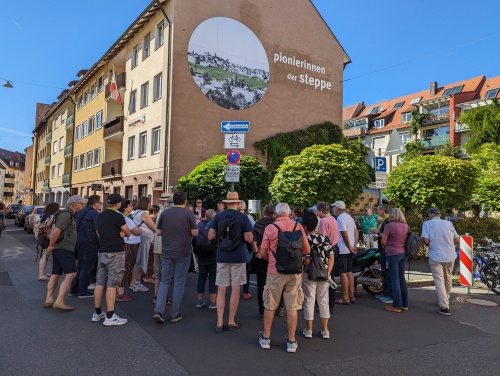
{"x":79,"y":106}
{"x":131,"y":147}
{"x":135,"y":56}
{"x":131,"y":105}
{"x":143,"y":138}
{"x":92,"y":91}
{"x":144,"y":94}
{"x":406,"y":117}
{"x":398,"y":105}
{"x":76,"y":164}
{"x":90,"y":158}
{"x":378,"y":143}
{"x":159,"y":35}
{"x":91,"y":124}
{"x":128,"y":192}
{"x":54,"y":147}
{"x":98,"y":124}
{"x":100,"y":84}
{"x":157,"y":87}
{"x":85,"y":97}
{"x":59,"y":169}
{"x":142,"y":190}
{"x":82,"y":161}
{"x":55,"y":123}
{"x":453,"y":90}
{"x":53,"y":172}
{"x":491,"y":93}
{"x":415,"y":100}
{"x":155,"y":140}
{"x":63,"y":116}
{"x":97,"y":157}
{"x":405,"y":137}
{"x":379,"y":123}
{"x":61,"y":143}
{"x":147,"y":48}
{"x":78,"y":132}
{"x":84,"y":129}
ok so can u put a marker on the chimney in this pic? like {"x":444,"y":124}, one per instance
{"x":433,"y":90}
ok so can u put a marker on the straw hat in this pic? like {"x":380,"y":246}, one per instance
{"x":232,"y":197}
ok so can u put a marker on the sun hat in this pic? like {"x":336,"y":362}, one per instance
{"x":339,"y":204}
{"x":232,"y":197}
{"x":164,"y":196}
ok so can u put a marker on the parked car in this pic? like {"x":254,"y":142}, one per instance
{"x":21,"y":215}
{"x":12,"y":210}
{"x":33,"y":218}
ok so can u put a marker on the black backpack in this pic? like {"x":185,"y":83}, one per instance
{"x":201,"y":243}
{"x":288,"y":254}
{"x":412,"y":245}
{"x":229,"y":234}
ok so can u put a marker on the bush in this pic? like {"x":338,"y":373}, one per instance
{"x":479,"y":228}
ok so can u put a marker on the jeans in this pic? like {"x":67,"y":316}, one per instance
{"x":207,"y":267}
{"x":174,"y":272}
{"x":87,"y":256}
{"x":260,"y":266}
{"x":387,"y":291}
{"x":399,"y":288}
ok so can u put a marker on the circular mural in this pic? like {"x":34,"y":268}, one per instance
{"x":228,"y":63}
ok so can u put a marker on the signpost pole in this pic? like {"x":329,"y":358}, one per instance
{"x":232,"y":187}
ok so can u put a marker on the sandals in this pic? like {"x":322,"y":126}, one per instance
{"x":219,"y":329}
{"x":233,"y":327}
{"x":352,"y":300}
{"x":342,"y":302}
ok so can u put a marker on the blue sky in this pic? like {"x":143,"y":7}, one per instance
{"x":47,"y":43}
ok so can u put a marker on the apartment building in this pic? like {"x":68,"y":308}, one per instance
{"x":28,"y":176}
{"x":12,"y":175}
{"x":42,"y":141}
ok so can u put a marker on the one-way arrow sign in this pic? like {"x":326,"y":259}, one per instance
{"x":234,"y":126}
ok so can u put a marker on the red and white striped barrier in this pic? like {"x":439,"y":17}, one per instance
{"x":466,"y":260}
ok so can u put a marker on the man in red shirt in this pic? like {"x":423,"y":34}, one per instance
{"x":287,"y":285}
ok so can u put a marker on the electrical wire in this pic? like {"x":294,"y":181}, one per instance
{"x":32,"y":84}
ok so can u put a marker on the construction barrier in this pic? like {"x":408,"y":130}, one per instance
{"x":466,"y":260}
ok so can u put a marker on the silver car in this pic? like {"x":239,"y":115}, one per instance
{"x":33,"y":218}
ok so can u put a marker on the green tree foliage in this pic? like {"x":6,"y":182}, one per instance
{"x":417,"y":119}
{"x":448,"y":150}
{"x":207,"y":181}
{"x":413,"y":150}
{"x":484,"y":123}
{"x":320,"y":172}
{"x":432,"y":180}
{"x":281,"y":145}
{"x":487,"y":190}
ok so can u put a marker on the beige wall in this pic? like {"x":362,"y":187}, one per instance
{"x":28,"y":170}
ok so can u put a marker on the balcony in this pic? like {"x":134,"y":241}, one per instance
{"x":68,"y":150}
{"x":112,"y":169}
{"x":47,"y":160}
{"x":70,"y":122}
{"x":66,"y":180}
{"x":459,"y":127}
{"x":437,"y":118}
{"x":48,"y":138}
{"x":435,"y":141}
{"x":113,"y":129}
{"x":120,"y":84}
{"x":10,"y":176}
{"x":46,"y":186}
{"x":8,"y":185}
{"x":354,"y":132}
{"x":8,"y":194}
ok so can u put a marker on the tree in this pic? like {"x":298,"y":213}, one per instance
{"x":207,"y":181}
{"x":487,"y":162}
{"x":417,"y":119}
{"x":432,"y":180}
{"x":320,"y":173}
{"x":484,"y":124}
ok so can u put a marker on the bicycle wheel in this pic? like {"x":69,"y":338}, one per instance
{"x":490,"y":275}
{"x":456,"y":267}
{"x":476,"y":270}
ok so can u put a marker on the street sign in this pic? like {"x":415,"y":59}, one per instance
{"x":233,"y":169}
{"x":380,"y":164}
{"x":381,"y":180}
{"x":232,"y":177}
{"x":233,"y":157}
{"x":380,"y":184}
{"x":234,"y":140}
{"x":234,"y":126}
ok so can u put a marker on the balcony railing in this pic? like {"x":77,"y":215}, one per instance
{"x":113,"y":127}
{"x":68,"y":149}
{"x":460,"y":127}
{"x":66,"y":180}
{"x":46,"y":183}
{"x":354,"y":132}
{"x":112,"y":168}
{"x":431,"y":119}
{"x":48,"y":138}
{"x":47,"y":160}
{"x":8,"y":194}
{"x":8,"y":185}
{"x":435,"y":141}
{"x":120,"y":84}
{"x":69,"y":122}
{"x":10,"y":176}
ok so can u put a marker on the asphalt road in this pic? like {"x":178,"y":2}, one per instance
{"x":365,"y":339}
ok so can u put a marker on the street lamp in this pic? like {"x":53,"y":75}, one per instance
{"x":7,"y":84}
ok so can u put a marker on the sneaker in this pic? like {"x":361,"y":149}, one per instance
{"x":291,"y":347}
{"x":246,"y":296}
{"x":97,"y":317}
{"x":265,"y":343}
{"x":200,"y":303}
{"x":158,"y":318}
{"x":444,"y":311}
{"x":86,"y":295}
{"x":91,"y":286}
{"x":386,"y":300}
{"x":124,"y":297}
{"x":212,"y":305}
{"x":325,"y":334}
{"x":176,"y":318}
{"x":115,"y":320}
{"x":140,"y":288}
{"x":72,"y":294}
{"x":380,"y":296}
{"x":307,"y":333}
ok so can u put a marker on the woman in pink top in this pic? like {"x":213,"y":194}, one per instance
{"x":393,"y":239}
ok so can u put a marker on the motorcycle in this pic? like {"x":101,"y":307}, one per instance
{"x":366,"y":270}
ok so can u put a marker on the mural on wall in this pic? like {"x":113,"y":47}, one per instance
{"x":228,"y":63}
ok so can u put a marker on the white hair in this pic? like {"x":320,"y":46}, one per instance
{"x":282,"y":209}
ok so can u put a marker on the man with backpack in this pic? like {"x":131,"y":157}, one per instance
{"x":283,"y":245}
{"x":231,"y":228}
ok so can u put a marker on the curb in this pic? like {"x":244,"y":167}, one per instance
{"x":420,"y":283}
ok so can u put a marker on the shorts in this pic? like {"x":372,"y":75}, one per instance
{"x":63,"y":261}
{"x":287,"y":285}
{"x":231,"y":274}
{"x":110,"y":269}
{"x":157,"y":266}
{"x":345,"y":263}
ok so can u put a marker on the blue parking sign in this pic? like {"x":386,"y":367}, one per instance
{"x":380,"y":164}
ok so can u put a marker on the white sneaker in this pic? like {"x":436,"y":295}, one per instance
{"x":325,"y":334}
{"x":91,"y":286}
{"x":140,"y":288}
{"x":265,"y":343}
{"x":291,"y":347}
{"x":98,"y":317}
{"x":307,"y":333}
{"x":115,"y":320}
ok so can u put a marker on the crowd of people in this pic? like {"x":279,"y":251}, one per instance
{"x":292,"y":253}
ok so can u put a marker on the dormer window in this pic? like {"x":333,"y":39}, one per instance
{"x":491,"y":93}
{"x":379,"y":123}
{"x":372,"y":111}
{"x":453,"y":90}
{"x":398,"y":105}
{"x":415,"y":100}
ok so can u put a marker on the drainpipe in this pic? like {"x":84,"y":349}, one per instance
{"x":166,"y":156}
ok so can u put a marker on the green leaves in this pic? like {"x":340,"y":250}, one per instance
{"x":484,"y":123}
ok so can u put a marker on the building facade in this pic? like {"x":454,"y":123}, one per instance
{"x":12,"y":173}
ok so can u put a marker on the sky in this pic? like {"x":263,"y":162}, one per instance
{"x":397,"y":47}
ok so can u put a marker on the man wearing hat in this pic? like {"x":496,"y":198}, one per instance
{"x":62,"y":246}
{"x":163,"y":201}
{"x":440,"y":237}
{"x":231,"y":264}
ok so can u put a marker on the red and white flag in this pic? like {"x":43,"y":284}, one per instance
{"x":113,"y":89}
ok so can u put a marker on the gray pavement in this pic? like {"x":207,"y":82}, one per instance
{"x":365,"y":337}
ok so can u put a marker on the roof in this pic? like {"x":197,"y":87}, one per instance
{"x":489,"y":84}
{"x":41,"y":110}
{"x":7,"y":156}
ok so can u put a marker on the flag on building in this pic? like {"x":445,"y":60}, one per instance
{"x":113,"y":89}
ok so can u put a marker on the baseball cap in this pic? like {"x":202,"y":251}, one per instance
{"x":313,"y":208}
{"x":433,"y":211}
{"x":339,"y":204}
{"x":76,"y":200}
{"x":114,"y":198}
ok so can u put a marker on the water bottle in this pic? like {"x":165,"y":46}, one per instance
{"x":332,"y":283}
